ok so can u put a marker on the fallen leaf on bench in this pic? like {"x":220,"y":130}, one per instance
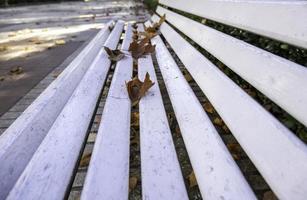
{"x":137,"y":89}
{"x":133,"y":181}
{"x":114,"y":55}
{"x":135,"y":26}
{"x":155,"y":27}
{"x":192,"y":180}
{"x":60,"y":42}
{"x":138,"y":49}
{"x":16,"y":70}
{"x":85,"y":160}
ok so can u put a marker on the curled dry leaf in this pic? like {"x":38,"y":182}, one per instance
{"x":132,"y":183}
{"x":114,"y":55}
{"x":85,"y":160}
{"x":16,"y":70}
{"x":192,"y":180}
{"x":138,"y":49}
{"x":137,"y":89}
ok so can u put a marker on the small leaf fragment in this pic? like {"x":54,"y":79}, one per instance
{"x":208,"y":107}
{"x":192,"y":179}
{"x":132,"y":183}
{"x":114,"y":55}
{"x":85,"y":160}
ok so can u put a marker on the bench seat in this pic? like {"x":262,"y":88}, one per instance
{"x":40,"y":151}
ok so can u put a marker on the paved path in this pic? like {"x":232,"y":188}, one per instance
{"x":30,"y":40}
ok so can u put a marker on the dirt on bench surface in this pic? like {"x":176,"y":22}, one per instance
{"x":36,"y":39}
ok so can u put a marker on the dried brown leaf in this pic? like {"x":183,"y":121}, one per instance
{"x":114,"y":55}
{"x":137,"y":89}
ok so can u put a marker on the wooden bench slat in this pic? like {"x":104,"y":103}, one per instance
{"x":19,"y":142}
{"x":108,"y":173}
{"x":279,"y":79}
{"x":281,"y":20}
{"x":277,"y":153}
{"x":161,"y":174}
{"x":50,"y":170}
{"x":216,"y":172}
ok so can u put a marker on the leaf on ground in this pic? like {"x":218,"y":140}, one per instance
{"x":137,"y":89}
{"x":2,"y":78}
{"x":187,"y":75}
{"x":192,"y":179}
{"x":135,"y":119}
{"x":133,"y":181}
{"x":60,"y":42}
{"x":114,"y":55}
{"x":85,"y":160}
{"x":208,"y":107}
{"x":269,"y":195}
{"x":218,"y":121}
{"x":16,"y":70}
{"x":134,"y":26}
{"x":149,"y":35}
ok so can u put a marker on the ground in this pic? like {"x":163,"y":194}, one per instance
{"x":39,"y":42}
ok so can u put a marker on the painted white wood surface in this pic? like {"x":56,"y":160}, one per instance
{"x":19,"y":142}
{"x":276,"y":152}
{"x":108,"y":173}
{"x":217,"y":174}
{"x":279,"y":79}
{"x":281,"y":20}
{"x":161,"y":174}
{"x":50,"y":170}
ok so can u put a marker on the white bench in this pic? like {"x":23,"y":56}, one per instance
{"x":39,"y":152}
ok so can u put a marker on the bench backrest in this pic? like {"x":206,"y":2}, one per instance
{"x":276,"y":152}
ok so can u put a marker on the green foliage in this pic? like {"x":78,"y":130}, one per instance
{"x":151,"y":4}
